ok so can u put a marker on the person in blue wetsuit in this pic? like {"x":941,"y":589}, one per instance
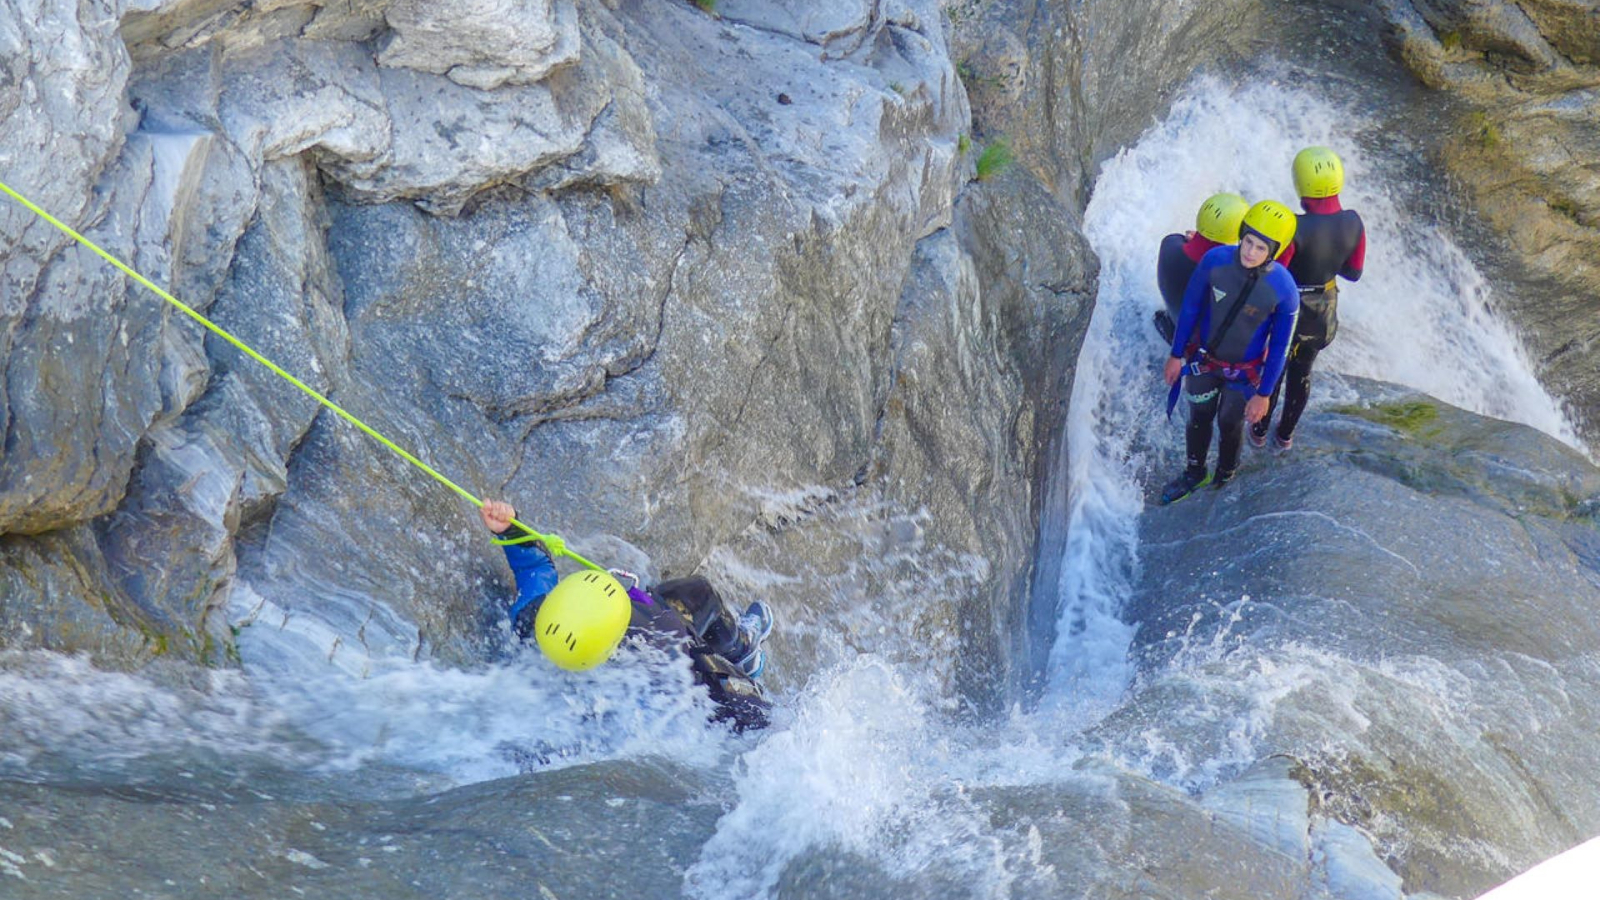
{"x":1329,"y":241}
{"x":1216,"y":224}
{"x":578,"y":621}
{"x":1240,"y":307}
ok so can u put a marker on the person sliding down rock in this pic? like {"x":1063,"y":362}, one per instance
{"x":1241,"y":308}
{"x":1216,"y":223}
{"x":1329,"y":241}
{"x":579,"y":620}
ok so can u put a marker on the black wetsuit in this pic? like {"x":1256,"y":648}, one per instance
{"x":687,"y":614}
{"x":1328,"y":241}
{"x":1174,"y":265}
{"x":695,"y":615}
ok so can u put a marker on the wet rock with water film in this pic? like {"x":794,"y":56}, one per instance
{"x":1416,"y":580}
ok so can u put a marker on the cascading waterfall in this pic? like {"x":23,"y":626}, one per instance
{"x":866,"y":758}
{"x":1421,"y":301}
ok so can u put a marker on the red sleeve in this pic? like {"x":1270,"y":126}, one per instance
{"x":1288,"y":254}
{"x":1358,"y":259}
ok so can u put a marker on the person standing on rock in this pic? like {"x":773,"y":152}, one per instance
{"x":1240,"y":306}
{"x":1216,"y":224}
{"x":1329,"y":241}
{"x":578,"y":621}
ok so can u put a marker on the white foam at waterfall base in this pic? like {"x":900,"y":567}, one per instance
{"x":86,"y":719}
{"x":860,"y":767}
{"x":512,"y":715}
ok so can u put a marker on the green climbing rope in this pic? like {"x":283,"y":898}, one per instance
{"x":552,"y":542}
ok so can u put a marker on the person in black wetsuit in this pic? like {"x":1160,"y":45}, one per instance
{"x":1216,"y":223}
{"x":1329,"y":241}
{"x":1240,"y":305}
{"x":578,"y":621}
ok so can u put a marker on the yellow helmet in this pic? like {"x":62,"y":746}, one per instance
{"x":1318,"y":172}
{"x":582,"y":620}
{"x":1219,"y":217}
{"x":1272,"y":222}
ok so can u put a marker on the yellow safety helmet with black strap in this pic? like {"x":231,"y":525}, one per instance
{"x":582,"y":620}
{"x":1318,"y":172}
{"x":1272,"y":222}
{"x":1219,"y":217}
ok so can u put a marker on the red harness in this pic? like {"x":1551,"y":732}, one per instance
{"x":1250,"y":371}
{"x":1203,"y":363}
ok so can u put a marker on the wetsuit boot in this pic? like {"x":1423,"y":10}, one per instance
{"x":1258,"y":433}
{"x":1190,"y":481}
{"x":746,"y":651}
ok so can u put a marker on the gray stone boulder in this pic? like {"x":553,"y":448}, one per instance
{"x":1404,"y":606}
{"x":482,"y":43}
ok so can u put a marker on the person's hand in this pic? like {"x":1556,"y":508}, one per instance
{"x":1256,"y":409}
{"x":1189,"y":235}
{"x":497,"y":515}
{"x":1173,"y":370}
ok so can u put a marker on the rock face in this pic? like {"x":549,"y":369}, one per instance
{"x":1403,"y":606}
{"x":639,"y":824}
{"x":702,"y":292}
{"x":1521,"y":141}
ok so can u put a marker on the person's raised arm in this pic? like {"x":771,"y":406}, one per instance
{"x":531,"y":566}
{"x":497,"y":515}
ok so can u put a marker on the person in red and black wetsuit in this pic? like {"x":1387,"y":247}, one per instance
{"x":1329,"y":241}
{"x":1216,"y":224}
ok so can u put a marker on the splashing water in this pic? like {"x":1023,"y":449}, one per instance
{"x":475,"y":725}
{"x":866,"y":759}
{"x":860,"y":768}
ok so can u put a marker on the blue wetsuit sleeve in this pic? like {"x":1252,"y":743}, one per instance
{"x":1194,"y":300}
{"x":535,"y":573}
{"x":1284,"y":316}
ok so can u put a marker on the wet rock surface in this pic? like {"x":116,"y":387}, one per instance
{"x":603,"y":831}
{"x":1417,"y":578}
{"x":1519,"y":87}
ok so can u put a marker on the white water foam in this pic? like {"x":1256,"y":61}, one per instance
{"x":61,"y":709}
{"x":862,"y":767}
{"x":471,"y":725}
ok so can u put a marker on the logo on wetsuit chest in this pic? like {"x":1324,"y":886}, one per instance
{"x":1218,"y":295}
